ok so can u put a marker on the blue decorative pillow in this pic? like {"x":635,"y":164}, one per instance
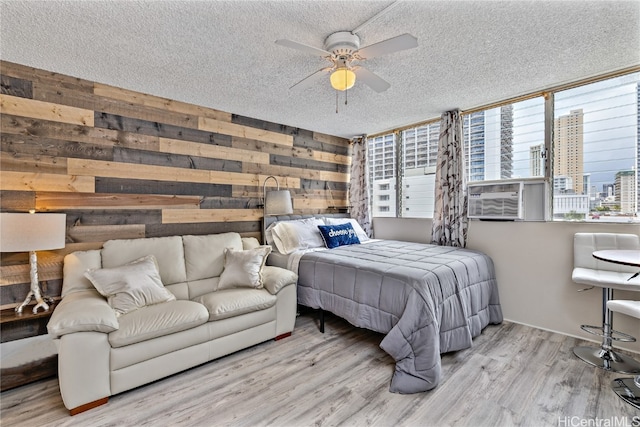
{"x":338,"y":235}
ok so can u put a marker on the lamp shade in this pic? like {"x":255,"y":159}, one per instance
{"x":24,"y":232}
{"x":278,"y":203}
{"x":342,"y":79}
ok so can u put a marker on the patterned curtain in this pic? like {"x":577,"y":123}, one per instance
{"x":450,"y":221}
{"x":359,"y":184}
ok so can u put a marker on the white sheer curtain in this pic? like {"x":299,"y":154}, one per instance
{"x":359,"y":184}
{"x":450,"y":221}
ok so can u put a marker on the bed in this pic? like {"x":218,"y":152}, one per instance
{"x":427,"y":299}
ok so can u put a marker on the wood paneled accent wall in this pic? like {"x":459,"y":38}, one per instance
{"x":123,"y":164}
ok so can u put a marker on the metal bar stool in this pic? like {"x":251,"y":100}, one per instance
{"x":627,"y":388}
{"x":608,"y":275}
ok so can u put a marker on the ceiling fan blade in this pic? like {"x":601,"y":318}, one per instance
{"x":311,"y":79}
{"x":395,"y":44}
{"x":302,"y":47}
{"x":370,"y":79}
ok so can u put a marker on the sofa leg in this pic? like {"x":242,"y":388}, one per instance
{"x":87,"y":406}
{"x":279,"y":337}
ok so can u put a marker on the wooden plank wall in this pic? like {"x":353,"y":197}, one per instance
{"x":123,"y":164}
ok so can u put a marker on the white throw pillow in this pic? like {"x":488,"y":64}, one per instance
{"x":362,"y":236}
{"x":290,"y":236}
{"x":130,"y":286}
{"x":243,"y":269}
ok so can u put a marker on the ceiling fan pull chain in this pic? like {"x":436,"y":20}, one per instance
{"x":336,"y":102}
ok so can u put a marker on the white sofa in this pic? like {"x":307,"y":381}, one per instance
{"x":101,"y":353}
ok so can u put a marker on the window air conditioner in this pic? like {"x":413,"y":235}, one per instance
{"x":508,"y":200}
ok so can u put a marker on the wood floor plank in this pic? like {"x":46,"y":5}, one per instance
{"x":514,"y":375}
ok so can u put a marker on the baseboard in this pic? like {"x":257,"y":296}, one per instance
{"x":595,"y":341}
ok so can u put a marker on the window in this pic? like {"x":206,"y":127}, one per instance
{"x":418,"y":168}
{"x":382,"y":175}
{"x":505,"y":142}
{"x":595,"y":160}
{"x":594,"y":153}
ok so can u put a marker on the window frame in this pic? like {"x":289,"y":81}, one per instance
{"x":547,"y":155}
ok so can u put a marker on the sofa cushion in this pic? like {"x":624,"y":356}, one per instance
{"x":227,"y":303}
{"x":75,"y":265}
{"x":130,"y":286}
{"x":204,"y":255}
{"x":250,"y":243}
{"x":243,"y":269}
{"x":168,"y":252}
{"x":158,"y":320}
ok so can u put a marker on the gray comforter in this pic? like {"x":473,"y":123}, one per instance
{"x":427,"y":299}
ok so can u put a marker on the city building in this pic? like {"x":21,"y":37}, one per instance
{"x":488,"y":137}
{"x":609,"y":190}
{"x":536,"y":161}
{"x":562,"y":184}
{"x":568,"y":149}
{"x":575,"y":206}
{"x":626,"y":191}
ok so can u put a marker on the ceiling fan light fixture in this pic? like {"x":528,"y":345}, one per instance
{"x":342,"y":79}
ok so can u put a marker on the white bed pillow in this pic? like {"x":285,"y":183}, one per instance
{"x":290,"y":236}
{"x":268,"y":234}
{"x":362,"y":236}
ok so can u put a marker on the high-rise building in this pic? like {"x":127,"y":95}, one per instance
{"x":568,"y":149}
{"x":506,"y":142}
{"x":421,"y":146}
{"x":488,"y":137}
{"x":586,"y":184}
{"x":609,"y":190}
{"x":474,"y":145}
{"x":536,"y":162}
{"x":382,"y":158}
{"x":626,"y":191}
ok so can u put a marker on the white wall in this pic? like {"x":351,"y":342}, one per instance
{"x":533,"y":262}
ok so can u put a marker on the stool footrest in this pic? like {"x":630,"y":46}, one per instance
{"x":608,"y":360}
{"x":615,"y":335}
{"x":627,"y":390}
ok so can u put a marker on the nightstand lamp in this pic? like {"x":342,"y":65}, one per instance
{"x":31,"y":232}
{"x":275,"y":203}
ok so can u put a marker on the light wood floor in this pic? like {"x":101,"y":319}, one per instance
{"x":513,"y":375}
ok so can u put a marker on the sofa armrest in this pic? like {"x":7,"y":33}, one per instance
{"x":82,"y":311}
{"x":276,"y":278}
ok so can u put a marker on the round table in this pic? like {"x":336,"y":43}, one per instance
{"x":619,"y":256}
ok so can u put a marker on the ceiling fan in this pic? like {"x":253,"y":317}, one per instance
{"x":343,"y":50}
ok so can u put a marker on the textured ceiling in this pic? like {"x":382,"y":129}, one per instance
{"x":221,"y":54}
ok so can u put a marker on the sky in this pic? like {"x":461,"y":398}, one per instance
{"x":610,"y":127}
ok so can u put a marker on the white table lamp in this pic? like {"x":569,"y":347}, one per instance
{"x":31,"y":232}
